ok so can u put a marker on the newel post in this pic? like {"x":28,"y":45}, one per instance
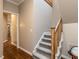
{"x":53,"y":42}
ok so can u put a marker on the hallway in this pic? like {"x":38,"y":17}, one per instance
{"x":11,"y":52}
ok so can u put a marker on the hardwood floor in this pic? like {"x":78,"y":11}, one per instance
{"x":11,"y":52}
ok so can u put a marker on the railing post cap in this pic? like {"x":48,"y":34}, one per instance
{"x":52,"y":27}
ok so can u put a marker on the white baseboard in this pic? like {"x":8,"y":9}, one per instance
{"x":22,"y":49}
{"x":5,"y":41}
{"x":13,"y":44}
{"x":25,"y":51}
{"x":66,"y":57}
{"x":2,"y":57}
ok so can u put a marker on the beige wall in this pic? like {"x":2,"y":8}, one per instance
{"x":55,"y":13}
{"x":70,"y":37}
{"x":69,"y":10}
{"x":26,"y":24}
{"x":1,"y":28}
{"x":5,"y":20}
{"x":35,"y":18}
{"x":10,"y":7}
{"x":14,"y":28}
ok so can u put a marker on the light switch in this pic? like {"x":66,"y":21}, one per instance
{"x":31,"y":30}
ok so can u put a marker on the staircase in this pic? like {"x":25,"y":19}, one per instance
{"x":50,"y":43}
{"x":43,"y":49}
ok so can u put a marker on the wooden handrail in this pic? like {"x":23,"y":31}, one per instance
{"x":49,"y":2}
{"x":58,"y":24}
{"x":56,"y":36}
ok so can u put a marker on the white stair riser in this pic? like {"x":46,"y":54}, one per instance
{"x":43,"y":51}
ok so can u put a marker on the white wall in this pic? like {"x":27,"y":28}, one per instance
{"x":10,"y":7}
{"x":42,"y":18}
{"x":1,"y":28}
{"x":70,"y":37}
{"x":35,"y":18}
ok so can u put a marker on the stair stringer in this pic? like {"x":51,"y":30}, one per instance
{"x":43,"y":56}
{"x":39,"y":41}
{"x":59,"y":49}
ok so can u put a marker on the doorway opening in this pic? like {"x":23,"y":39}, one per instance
{"x":11,"y":37}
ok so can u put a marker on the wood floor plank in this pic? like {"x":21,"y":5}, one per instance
{"x":11,"y":52}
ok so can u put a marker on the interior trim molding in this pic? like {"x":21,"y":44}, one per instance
{"x":2,"y":57}
{"x":6,"y":11}
{"x":14,"y":44}
{"x":12,"y":2}
{"x":25,"y":51}
{"x":5,"y":41}
{"x":20,"y":2}
{"x":15,"y":3}
{"x":22,"y":49}
{"x":17,"y":14}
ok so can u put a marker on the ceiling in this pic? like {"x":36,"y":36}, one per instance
{"x":16,"y":2}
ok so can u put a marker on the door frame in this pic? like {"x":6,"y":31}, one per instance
{"x":17,"y":14}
